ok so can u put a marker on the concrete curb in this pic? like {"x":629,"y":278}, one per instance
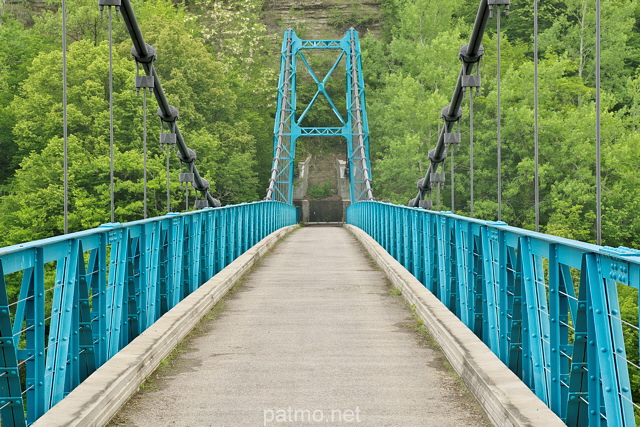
{"x":100,"y":397}
{"x":506,"y":400}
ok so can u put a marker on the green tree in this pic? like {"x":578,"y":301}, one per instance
{"x":199,"y":85}
{"x":18,"y":47}
{"x":236,"y":37}
{"x":572,"y":33}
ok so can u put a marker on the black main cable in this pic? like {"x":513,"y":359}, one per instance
{"x":469,"y":54}
{"x":499,"y":115}
{"x":145,"y":55}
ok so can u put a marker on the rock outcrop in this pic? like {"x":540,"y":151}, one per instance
{"x":322,"y":19}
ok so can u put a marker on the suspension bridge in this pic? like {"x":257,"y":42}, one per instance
{"x":531,"y":322}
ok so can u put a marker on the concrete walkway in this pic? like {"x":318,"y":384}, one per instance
{"x":313,"y":336}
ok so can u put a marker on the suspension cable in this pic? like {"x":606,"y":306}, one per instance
{"x":146,"y":55}
{"x":454,"y":143}
{"x":145,"y":83}
{"x":453,"y":185}
{"x":186,"y":189}
{"x":186,"y":197}
{"x":471,"y":152}
{"x":65,"y":126}
{"x":144,"y":149}
{"x":535,"y":115}
{"x":598,"y":154}
{"x":168,"y":178}
{"x":499,"y":114}
{"x":470,"y":54}
{"x":111,"y":142}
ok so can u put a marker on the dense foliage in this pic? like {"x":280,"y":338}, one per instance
{"x":412,"y":70}
{"x":221,"y":82}
{"x":218,"y":65}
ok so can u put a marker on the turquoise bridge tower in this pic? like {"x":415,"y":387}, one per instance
{"x":288,"y":125}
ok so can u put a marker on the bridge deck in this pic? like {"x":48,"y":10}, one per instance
{"x":313,"y":335}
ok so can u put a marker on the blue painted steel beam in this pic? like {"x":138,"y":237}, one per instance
{"x":548,"y":307}
{"x":69,"y":303}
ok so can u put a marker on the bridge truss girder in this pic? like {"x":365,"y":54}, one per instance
{"x":288,"y":126}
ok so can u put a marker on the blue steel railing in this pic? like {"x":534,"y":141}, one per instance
{"x":561,"y":314}
{"x":69,"y":303}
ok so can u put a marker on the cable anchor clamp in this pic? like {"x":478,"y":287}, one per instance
{"x":436,"y":159}
{"x":146,"y":59}
{"x":437,"y":177}
{"x":425,"y":204}
{"x":423,"y":184}
{"x":452,"y":138}
{"x":168,"y":138}
{"x":201,"y":204}
{"x":189,"y":157}
{"x":171,"y":116}
{"x":204,"y":186}
{"x":469,"y":58}
{"x":143,"y":82}
{"x":498,"y":3}
{"x":449,"y":117}
{"x":109,"y":3}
